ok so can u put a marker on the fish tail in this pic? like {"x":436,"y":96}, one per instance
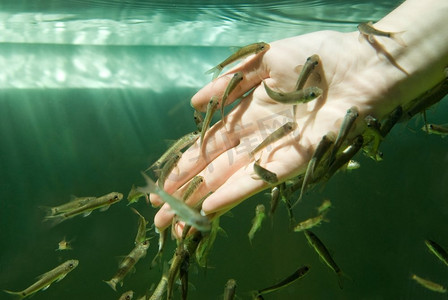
{"x":49,"y":211}
{"x":340,"y":281}
{"x":151,"y":186}
{"x":215,"y":70}
{"x":54,"y":220}
{"x":396,"y":36}
{"x":111,"y":283}
{"x":20,"y":295}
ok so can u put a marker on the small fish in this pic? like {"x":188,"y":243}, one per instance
{"x":183,"y":275}
{"x":167,"y":168}
{"x":198,"y":119}
{"x":322,"y":148}
{"x":323,"y":252}
{"x":275,"y":136}
{"x":391,"y":120}
{"x":438,"y":251}
{"x":299,"y":273}
{"x":162,"y":242}
{"x":206,"y":244}
{"x":189,"y":215}
{"x":46,"y":279}
{"x":230,"y":289}
{"x":192,"y":187}
{"x":212,"y":106}
{"x":74,"y":203}
{"x":344,"y":157}
{"x":185,"y":141}
{"x":236,"y":79}
{"x":369,"y":31}
{"x":308,"y":67}
{"x":241,"y":53}
{"x":295,"y":97}
{"x":102,"y":203}
{"x":435,"y":287}
{"x":347,"y":123}
{"x":128,"y":263}
{"x":310,"y":223}
{"x":265,"y":174}
{"x":141,"y":232}
{"x":326,"y":204}
{"x":275,"y":199}
{"x":256,"y":221}
{"x":372,"y":138}
{"x":64,"y":245}
{"x":127,"y":295}
{"x":352,"y":165}
{"x":441,"y":130}
{"x":134,"y":195}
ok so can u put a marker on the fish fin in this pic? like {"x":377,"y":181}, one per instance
{"x":46,"y":287}
{"x":215,"y":70}
{"x":104,"y":208}
{"x":222,"y":232}
{"x":111,"y":283}
{"x":20,"y":295}
{"x":73,"y":198}
{"x":150,"y":187}
{"x":87,"y":213}
{"x":298,"y":69}
{"x":396,"y":36}
{"x":60,"y":278}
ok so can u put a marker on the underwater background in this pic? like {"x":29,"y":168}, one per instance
{"x":90,"y":93}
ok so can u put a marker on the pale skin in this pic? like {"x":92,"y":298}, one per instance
{"x":352,"y":72}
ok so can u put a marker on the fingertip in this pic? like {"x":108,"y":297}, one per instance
{"x":163,"y":217}
{"x":155,"y":200}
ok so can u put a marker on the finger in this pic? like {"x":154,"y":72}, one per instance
{"x":214,"y":176}
{"x":253,"y":69}
{"x":217,"y":140}
{"x":286,"y":162}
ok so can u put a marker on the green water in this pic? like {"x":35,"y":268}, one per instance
{"x":85,"y":119}
{"x":89,"y":142}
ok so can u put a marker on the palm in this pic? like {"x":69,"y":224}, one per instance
{"x":225,"y":162}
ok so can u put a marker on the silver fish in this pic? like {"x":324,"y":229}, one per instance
{"x":321,"y":149}
{"x":234,"y":82}
{"x":185,"y":141}
{"x":347,"y":123}
{"x":241,"y":53}
{"x":128,"y":263}
{"x":323,"y":252}
{"x":308,"y":67}
{"x":45,"y":280}
{"x":127,"y":295}
{"x":294,"y":97}
{"x":369,"y":31}
{"x":265,"y":174}
{"x":212,"y":106}
{"x":230,"y":289}
{"x":275,"y":136}
{"x":435,"y":287}
{"x":189,"y":215}
{"x":256,"y":221}
{"x":299,"y":273}
{"x":102,"y":203}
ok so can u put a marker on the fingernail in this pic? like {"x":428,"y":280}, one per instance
{"x":203,"y":213}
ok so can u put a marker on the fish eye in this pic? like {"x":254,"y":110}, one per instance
{"x":70,"y":265}
{"x":128,"y":297}
{"x":313,"y":94}
{"x":116,"y":197}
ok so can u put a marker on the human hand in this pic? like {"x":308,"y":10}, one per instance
{"x":224,"y":160}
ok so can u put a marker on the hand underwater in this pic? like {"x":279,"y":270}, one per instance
{"x":366,"y":75}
